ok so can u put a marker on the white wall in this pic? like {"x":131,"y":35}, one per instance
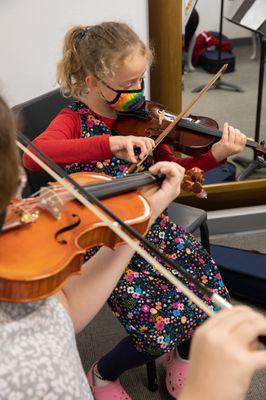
{"x":31,"y":36}
{"x":32,"y":31}
{"x":209,"y":12}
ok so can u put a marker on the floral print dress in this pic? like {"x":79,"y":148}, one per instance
{"x":155,"y":313}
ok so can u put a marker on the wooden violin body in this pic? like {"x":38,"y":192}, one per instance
{"x":38,"y":257}
{"x":44,"y":238}
{"x":152,"y":119}
{"x":193,"y":135}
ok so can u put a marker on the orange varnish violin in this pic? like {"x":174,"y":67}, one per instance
{"x":44,"y":238}
{"x":37,"y":257}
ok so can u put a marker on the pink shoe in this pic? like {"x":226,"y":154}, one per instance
{"x":113,"y":391}
{"x":176,"y":373}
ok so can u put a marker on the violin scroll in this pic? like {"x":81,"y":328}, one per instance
{"x":192,"y":182}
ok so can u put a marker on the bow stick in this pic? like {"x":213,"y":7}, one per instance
{"x":79,"y":193}
{"x":171,"y":126}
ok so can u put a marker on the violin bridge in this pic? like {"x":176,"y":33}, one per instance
{"x":51,"y":202}
{"x":161,"y":116}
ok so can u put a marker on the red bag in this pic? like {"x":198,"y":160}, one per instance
{"x":209,"y":41}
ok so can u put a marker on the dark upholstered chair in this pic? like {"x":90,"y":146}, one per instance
{"x":36,"y":115}
{"x":191,"y":219}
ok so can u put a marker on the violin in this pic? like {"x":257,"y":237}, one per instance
{"x":45,"y":237}
{"x":193,"y":135}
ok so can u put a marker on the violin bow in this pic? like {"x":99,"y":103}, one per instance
{"x":171,"y":126}
{"x":119,"y":227}
{"x":87,"y":199}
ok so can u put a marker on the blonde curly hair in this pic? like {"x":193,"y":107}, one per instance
{"x":98,"y":50}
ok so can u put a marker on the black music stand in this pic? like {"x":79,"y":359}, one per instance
{"x":220,"y":84}
{"x":258,"y":162}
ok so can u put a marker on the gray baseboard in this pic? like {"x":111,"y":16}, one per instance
{"x":237,"y":220}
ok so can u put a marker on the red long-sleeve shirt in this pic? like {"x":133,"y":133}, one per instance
{"x":62,"y":142}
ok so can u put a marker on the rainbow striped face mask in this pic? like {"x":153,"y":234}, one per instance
{"x":127,"y":100}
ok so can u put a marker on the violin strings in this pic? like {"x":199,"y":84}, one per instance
{"x":38,"y":196}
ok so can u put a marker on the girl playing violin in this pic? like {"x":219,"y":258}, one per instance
{"x":103,"y":68}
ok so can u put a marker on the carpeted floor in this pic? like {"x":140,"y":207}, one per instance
{"x":238,"y":108}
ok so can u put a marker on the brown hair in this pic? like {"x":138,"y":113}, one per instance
{"x":8,"y":155}
{"x":98,"y":50}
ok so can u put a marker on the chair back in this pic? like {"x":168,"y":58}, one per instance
{"x":35,"y":115}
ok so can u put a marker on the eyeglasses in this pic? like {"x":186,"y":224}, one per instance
{"x":140,"y":80}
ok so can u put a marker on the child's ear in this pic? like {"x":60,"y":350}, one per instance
{"x":91,"y":81}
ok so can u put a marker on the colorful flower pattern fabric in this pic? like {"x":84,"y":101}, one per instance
{"x":155,"y":313}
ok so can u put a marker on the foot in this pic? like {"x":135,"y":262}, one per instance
{"x":109,"y":391}
{"x":176,"y":373}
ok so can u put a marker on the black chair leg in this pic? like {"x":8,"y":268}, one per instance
{"x":204,"y":234}
{"x":152,"y":376}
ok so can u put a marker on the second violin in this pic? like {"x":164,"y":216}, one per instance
{"x":193,"y":135}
